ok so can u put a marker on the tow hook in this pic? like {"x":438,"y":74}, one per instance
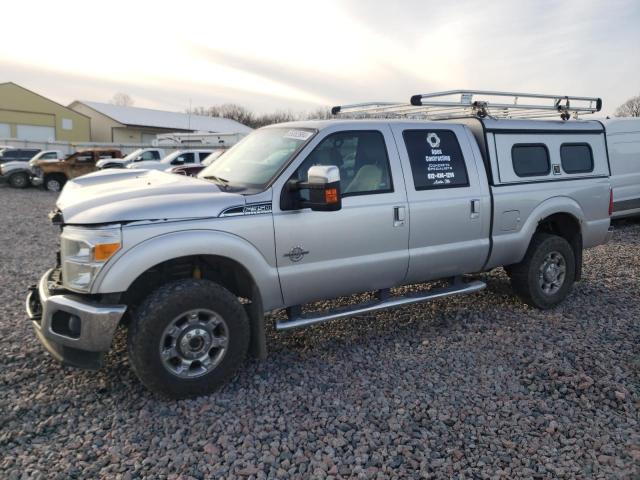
{"x":34,"y":306}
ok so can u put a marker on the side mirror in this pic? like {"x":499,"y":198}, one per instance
{"x":323,"y":183}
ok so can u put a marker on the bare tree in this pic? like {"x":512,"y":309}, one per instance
{"x":630,"y":108}
{"x":253,"y":120}
{"x":122,"y":99}
{"x":321,"y":113}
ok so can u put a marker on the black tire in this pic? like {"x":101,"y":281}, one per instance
{"x":54,"y":182}
{"x":147,"y":335}
{"x":526,"y":276}
{"x":19,"y":180}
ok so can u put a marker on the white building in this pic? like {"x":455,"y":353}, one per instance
{"x":120,"y":124}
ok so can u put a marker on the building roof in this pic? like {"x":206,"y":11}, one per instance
{"x":147,"y":117}
{"x":68,"y":107}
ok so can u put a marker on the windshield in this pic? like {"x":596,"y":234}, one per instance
{"x":214,"y":156}
{"x":132,"y":155}
{"x":252,"y":163}
{"x":171,"y":156}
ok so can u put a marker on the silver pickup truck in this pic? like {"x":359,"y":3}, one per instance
{"x":313,"y":210}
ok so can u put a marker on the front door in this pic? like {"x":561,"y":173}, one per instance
{"x":82,"y":164}
{"x":363,"y":246}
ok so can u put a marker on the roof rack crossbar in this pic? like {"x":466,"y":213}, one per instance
{"x":440,"y":105}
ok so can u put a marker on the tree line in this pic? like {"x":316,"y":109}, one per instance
{"x":256,"y":120}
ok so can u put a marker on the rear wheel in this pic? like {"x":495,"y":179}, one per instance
{"x":54,"y":183}
{"x":188,"y":338}
{"x":546,"y":275}
{"x":19,"y":180}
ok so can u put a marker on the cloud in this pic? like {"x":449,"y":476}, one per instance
{"x":285,"y":54}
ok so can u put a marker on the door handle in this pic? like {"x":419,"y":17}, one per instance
{"x":475,"y":208}
{"x":398,"y":216}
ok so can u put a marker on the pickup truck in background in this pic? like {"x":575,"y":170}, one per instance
{"x":139,"y":155}
{"x":53,"y":175}
{"x":314,"y":210}
{"x":177,"y":158}
{"x":17,"y":173}
{"x":18,"y":154}
{"x":193,"y":169}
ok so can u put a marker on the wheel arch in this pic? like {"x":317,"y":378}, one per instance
{"x":225,"y":258}
{"x":560,"y":215}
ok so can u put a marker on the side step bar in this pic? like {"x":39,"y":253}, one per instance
{"x":383,"y":301}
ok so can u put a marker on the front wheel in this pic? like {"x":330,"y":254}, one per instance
{"x":54,"y":183}
{"x":188,"y":338}
{"x":546,"y":275}
{"x":19,"y":180}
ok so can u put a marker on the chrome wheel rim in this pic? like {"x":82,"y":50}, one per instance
{"x":194,"y":343}
{"x":53,"y":185}
{"x":552,"y":273}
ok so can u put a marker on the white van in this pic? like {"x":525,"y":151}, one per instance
{"x":623,"y":142}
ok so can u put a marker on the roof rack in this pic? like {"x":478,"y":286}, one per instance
{"x":477,"y":103}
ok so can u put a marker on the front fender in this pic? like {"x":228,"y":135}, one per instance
{"x":121,"y":271}
{"x":510,"y":248}
{"x":10,"y":168}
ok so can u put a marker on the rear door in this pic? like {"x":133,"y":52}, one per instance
{"x":359,"y":248}
{"x":449,"y":200}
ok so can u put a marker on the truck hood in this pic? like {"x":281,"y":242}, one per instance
{"x":112,"y":196}
{"x":150,"y":165}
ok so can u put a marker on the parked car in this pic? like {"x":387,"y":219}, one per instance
{"x":53,"y":175}
{"x":18,"y":154}
{"x":3,"y":148}
{"x":192,"y":169}
{"x":623,"y":141}
{"x":18,"y":172}
{"x":180,"y":157}
{"x":139,"y":155}
{"x":313,"y":210}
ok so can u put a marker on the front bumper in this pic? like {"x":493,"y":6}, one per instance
{"x":36,"y":180}
{"x":75,"y":330}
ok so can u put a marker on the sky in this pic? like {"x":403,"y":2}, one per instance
{"x":300,"y":55}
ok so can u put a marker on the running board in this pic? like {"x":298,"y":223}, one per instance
{"x":383,"y":301}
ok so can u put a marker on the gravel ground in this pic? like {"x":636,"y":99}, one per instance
{"x":470,"y":387}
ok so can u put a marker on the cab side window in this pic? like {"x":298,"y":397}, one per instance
{"x":361,"y":157}
{"x":85,"y":158}
{"x":150,"y":155}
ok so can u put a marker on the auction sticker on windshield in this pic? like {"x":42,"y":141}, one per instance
{"x":298,"y":134}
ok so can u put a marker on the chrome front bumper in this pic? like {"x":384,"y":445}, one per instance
{"x":36,"y":180}
{"x":75,"y":330}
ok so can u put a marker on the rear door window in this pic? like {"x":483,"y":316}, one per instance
{"x":576,"y":157}
{"x":436,"y":159}
{"x":530,"y":160}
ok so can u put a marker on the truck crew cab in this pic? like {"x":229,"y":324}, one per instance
{"x":312,"y":210}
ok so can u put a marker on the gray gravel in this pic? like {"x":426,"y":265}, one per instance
{"x":471,"y":387}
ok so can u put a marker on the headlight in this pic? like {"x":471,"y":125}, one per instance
{"x":84,"y":251}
